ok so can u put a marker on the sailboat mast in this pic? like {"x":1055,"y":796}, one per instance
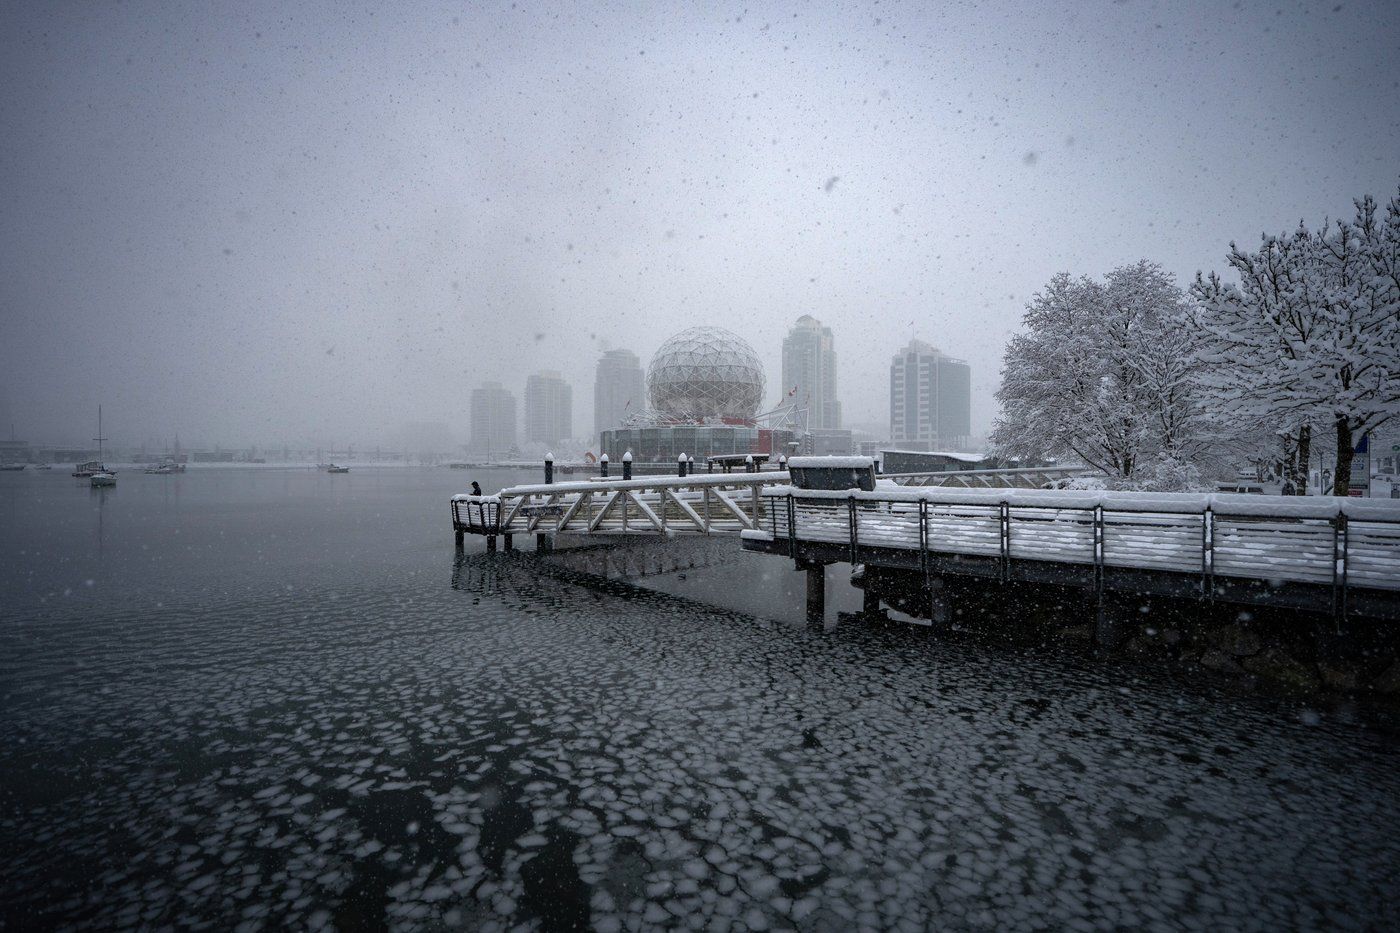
{"x":99,"y":438}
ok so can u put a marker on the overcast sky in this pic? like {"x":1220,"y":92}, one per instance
{"x":306,"y":223}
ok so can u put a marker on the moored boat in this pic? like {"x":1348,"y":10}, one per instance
{"x":103,"y":479}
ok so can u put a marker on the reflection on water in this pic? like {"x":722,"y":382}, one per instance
{"x":482,"y":741}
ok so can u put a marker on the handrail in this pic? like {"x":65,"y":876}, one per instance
{"x":1255,"y":544}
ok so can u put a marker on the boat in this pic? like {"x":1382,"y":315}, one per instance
{"x":12,"y":467}
{"x":43,"y":466}
{"x":332,"y":468}
{"x":95,"y":470}
{"x":166,"y":466}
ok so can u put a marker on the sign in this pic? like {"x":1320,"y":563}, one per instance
{"x":1360,"y":480}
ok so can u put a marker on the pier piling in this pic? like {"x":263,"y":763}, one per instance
{"x":816,"y":593}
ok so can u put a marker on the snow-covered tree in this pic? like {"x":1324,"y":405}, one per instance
{"x":1309,"y":336}
{"x":1105,"y":372}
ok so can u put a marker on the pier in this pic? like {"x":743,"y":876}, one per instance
{"x":1337,"y":557}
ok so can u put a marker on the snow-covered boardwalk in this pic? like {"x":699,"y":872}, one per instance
{"x":1324,"y":553}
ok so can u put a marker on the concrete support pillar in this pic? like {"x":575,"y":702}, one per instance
{"x":542,"y":544}
{"x":940,"y":605}
{"x":490,"y":542}
{"x":816,"y":593}
{"x":459,"y":538}
{"x":510,"y":542}
{"x":1110,"y":623}
{"x":870,"y":603}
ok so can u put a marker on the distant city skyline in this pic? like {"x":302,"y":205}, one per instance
{"x":239,"y":223}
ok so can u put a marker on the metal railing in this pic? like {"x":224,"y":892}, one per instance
{"x":720,"y":503}
{"x":1218,"y":541}
{"x":1021,"y":477}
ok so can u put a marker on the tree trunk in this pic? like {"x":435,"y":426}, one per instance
{"x":1297,"y":450}
{"x":1341,"y":481}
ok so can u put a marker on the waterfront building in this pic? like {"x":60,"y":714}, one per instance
{"x":809,"y":373}
{"x":619,"y":388}
{"x":930,"y":399}
{"x":493,"y":419}
{"x":704,"y":388}
{"x":549,"y":408}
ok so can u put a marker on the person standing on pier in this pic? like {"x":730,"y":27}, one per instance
{"x":476,"y":488}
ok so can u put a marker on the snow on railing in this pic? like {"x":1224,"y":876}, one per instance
{"x":1320,"y":540}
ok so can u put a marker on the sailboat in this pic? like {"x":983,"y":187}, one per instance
{"x":95,"y":471}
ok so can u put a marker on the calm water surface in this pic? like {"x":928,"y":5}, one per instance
{"x":267,"y":698}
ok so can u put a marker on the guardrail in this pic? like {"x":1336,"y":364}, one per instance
{"x":1019,"y":477}
{"x":1337,"y":545}
{"x":718,"y":503}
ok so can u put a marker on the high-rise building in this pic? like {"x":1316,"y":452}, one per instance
{"x":809,"y":372}
{"x":549,"y":408}
{"x":619,"y":389}
{"x":493,"y":419}
{"x":930,"y":399}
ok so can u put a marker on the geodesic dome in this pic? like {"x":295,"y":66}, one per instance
{"x":705,"y":373}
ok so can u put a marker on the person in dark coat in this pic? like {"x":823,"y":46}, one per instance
{"x":476,"y":488}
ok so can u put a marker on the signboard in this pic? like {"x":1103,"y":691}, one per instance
{"x":1360,"y":482}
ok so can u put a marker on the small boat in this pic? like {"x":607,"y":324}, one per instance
{"x":91,"y":469}
{"x":43,"y":466}
{"x":12,"y":467}
{"x":167,"y":466}
{"x":332,"y":468}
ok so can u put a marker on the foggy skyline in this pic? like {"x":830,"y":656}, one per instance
{"x":316,"y":223}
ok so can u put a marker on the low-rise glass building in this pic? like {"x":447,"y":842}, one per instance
{"x":664,"y":443}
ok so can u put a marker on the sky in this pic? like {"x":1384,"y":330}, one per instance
{"x":270,"y":223}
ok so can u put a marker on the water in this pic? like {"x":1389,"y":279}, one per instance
{"x":277,"y":698}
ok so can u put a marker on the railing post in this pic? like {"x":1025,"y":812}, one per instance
{"x":627,"y":465}
{"x":1004,"y":515}
{"x":680,"y":465}
{"x":923,"y":537}
{"x":851,"y":525}
{"x":792,"y":527}
{"x":1098,"y":556}
{"x":1208,"y":553}
{"x":1339,"y":571}
{"x":549,"y":468}
{"x":603,"y":465}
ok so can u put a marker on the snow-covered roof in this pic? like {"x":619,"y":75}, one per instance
{"x":950,"y":454}
{"x":831,"y":463}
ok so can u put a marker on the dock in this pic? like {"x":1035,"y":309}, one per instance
{"x":1338,"y":557}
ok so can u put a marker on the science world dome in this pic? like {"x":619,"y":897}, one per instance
{"x":706,"y":373}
